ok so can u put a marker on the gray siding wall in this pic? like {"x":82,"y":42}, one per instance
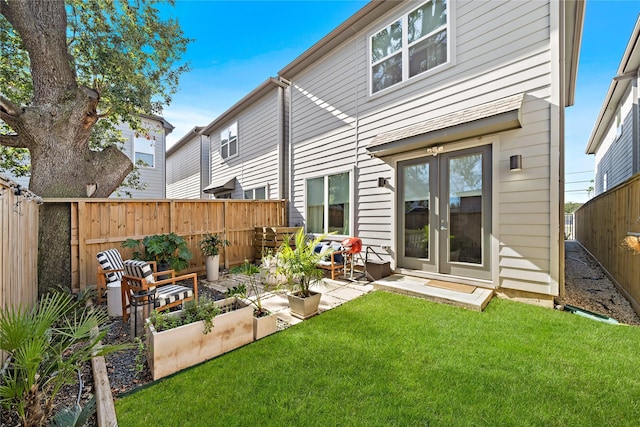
{"x":256,"y":164}
{"x":183,"y":171}
{"x":615,"y":156}
{"x":501,"y":49}
{"x":153,"y":178}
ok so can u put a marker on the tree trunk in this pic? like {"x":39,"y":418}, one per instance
{"x":56,"y":127}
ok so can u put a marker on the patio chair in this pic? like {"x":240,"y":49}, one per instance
{"x":334,"y":261}
{"x":140,"y":280}
{"x":110,"y":271}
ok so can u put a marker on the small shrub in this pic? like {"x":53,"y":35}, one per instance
{"x":204,"y":309}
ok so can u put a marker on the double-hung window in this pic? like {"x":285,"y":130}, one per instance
{"x":411,"y":45}
{"x":328,"y":204}
{"x":144,"y":148}
{"x":229,"y":141}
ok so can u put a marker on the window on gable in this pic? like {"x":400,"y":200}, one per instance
{"x":412,"y":45}
{"x":229,"y":141}
{"x":144,"y":147}
{"x":328,"y":206}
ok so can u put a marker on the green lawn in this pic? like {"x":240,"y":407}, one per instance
{"x":385,"y":359}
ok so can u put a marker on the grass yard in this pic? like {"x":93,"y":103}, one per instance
{"x":385,"y":359}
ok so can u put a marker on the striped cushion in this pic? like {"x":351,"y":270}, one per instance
{"x":170,"y":293}
{"x":139,"y":269}
{"x":111,"y":260}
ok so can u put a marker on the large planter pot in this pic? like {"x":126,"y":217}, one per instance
{"x":179,"y":348}
{"x":263,"y":326}
{"x":303,"y":308}
{"x":212,"y":264}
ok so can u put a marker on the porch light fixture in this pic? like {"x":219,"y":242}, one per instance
{"x":515,"y":162}
{"x":382,"y":182}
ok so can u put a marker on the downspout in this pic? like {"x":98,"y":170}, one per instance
{"x":281,"y":144}
{"x":635,"y":127}
{"x":288,"y":140}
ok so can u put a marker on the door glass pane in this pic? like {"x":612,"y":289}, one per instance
{"x":415,"y":198}
{"x":465,"y":209}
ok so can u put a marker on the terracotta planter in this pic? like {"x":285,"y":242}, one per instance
{"x":212,"y":264}
{"x":175,"y":349}
{"x":263,"y":326}
{"x":303,"y":308}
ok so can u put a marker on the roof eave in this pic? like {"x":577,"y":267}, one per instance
{"x":362,"y":18}
{"x":574,"y":24}
{"x":630,"y":62}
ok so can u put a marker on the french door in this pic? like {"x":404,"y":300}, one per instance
{"x":444,"y":213}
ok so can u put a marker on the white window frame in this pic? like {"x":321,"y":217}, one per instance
{"x":404,"y":19}
{"x":325,"y":225}
{"x":227,"y":144}
{"x":253,"y":193}
{"x":144,"y":139}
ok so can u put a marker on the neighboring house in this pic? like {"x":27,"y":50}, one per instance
{"x":615,"y":139}
{"x":248,"y":146}
{"x":148,"y":148}
{"x":189,"y":166}
{"x":432,"y":130}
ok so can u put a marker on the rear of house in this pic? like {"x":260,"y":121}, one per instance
{"x":434,"y":131}
{"x":431,"y":130}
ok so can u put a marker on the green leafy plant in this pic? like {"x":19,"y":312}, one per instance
{"x":204,"y":309}
{"x":211,"y":244}
{"x":299,"y":262}
{"x":169,"y":249}
{"x":46,"y":345}
{"x":251,"y":293}
{"x":140,"y":355}
{"x":75,"y":416}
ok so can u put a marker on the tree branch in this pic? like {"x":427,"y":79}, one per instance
{"x":11,"y":141}
{"x":8,"y":107}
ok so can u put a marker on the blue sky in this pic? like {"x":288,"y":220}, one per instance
{"x":239,"y":44}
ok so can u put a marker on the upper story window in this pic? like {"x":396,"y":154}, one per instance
{"x":144,"y":148}
{"x":229,"y":141}
{"x":415,"y":43}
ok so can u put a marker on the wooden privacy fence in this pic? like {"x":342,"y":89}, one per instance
{"x":600,"y":226}
{"x":18,"y":247}
{"x":99,"y":224}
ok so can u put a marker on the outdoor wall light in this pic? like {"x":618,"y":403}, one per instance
{"x":382,"y":182}
{"x":515,"y":162}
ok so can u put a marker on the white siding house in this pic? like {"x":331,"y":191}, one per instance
{"x":147,"y":149}
{"x":433,"y":130}
{"x":248,"y":149}
{"x":615,"y":139}
{"x":188,"y":167}
{"x":405,"y":121}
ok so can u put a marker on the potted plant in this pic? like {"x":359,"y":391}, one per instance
{"x":210,"y":246}
{"x":299,"y":265}
{"x":169,"y":251}
{"x":264,"y":322}
{"x":200,"y":331}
